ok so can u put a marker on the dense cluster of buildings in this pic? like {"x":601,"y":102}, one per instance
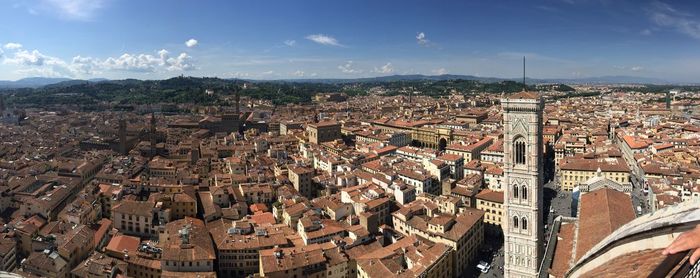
{"x":368,"y":186}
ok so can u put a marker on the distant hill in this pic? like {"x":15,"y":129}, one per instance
{"x":31,"y":82}
{"x":193,"y":90}
{"x":37,"y":82}
{"x":414,"y":77}
{"x":394,"y":78}
{"x":617,"y":79}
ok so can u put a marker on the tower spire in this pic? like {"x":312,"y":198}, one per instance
{"x":153,"y":133}
{"x":524,"y":85}
{"x":122,"y":134}
{"x":238,"y":101}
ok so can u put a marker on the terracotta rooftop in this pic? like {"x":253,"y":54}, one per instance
{"x":134,"y":208}
{"x":323,"y":124}
{"x":122,"y":243}
{"x":561,"y":262}
{"x":524,"y":95}
{"x":603,"y":211}
{"x":200,"y":247}
{"x":281,"y":259}
{"x":605,"y":164}
{"x":490,"y":195}
{"x":636,"y":264}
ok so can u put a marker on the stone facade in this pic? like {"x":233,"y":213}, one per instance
{"x":522,"y":225}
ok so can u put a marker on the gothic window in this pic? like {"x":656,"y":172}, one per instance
{"x":524,"y":224}
{"x":515,"y":221}
{"x":515,"y":191}
{"x":524,"y":192}
{"x":519,"y":150}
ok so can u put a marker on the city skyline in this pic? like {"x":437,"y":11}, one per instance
{"x":348,"y":139}
{"x":281,"y":40}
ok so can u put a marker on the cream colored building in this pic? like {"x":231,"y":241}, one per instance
{"x":469,"y":151}
{"x":301,"y":178}
{"x":423,"y":259}
{"x":187,"y":246}
{"x":463,"y":232}
{"x":575,"y":171}
{"x":323,"y":132}
{"x":238,"y":246}
{"x":320,"y":261}
{"x":491,"y":202}
{"x":160,"y":167}
{"x":134,"y":218}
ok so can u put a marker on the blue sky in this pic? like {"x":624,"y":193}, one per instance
{"x":347,"y":39}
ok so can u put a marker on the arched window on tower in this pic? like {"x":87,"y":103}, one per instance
{"x":519,"y":150}
{"x":515,"y":221}
{"x":515,"y":191}
{"x":523,"y":194}
{"x":524,"y":224}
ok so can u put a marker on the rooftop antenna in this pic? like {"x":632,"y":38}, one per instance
{"x":524,"y":85}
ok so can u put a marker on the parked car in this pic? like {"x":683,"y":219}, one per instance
{"x":484,"y":267}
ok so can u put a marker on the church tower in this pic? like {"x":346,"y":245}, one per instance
{"x":153,"y":137}
{"x":523,"y":169}
{"x":122,"y":136}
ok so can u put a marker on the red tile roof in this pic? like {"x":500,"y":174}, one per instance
{"x":524,"y":95}
{"x":121,"y":242}
{"x":562,"y":254}
{"x":490,"y":195}
{"x":603,"y":211}
{"x":636,"y":264}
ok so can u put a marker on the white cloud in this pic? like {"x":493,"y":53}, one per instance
{"x":13,"y":45}
{"x":269,"y":72}
{"x":150,"y":63}
{"x":32,"y":58}
{"x":191,"y":43}
{"x":35,"y":62}
{"x":73,"y":9}
{"x":290,"y":43}
{"x":645,"y":32}
{"x":347,"y":68}
{"x":421,"y":39}
{"x":439,"y":71}
{"x":182,"y":62}
{"x":299,"y":73}
{"x":86,"y":65}
{"x":139,"y":63}
{"x":323,"y":39}
{"x":664,"y":15}
{"x":385,"y":69}
{"x":632,"y":68}
{"x":239,"y":74}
